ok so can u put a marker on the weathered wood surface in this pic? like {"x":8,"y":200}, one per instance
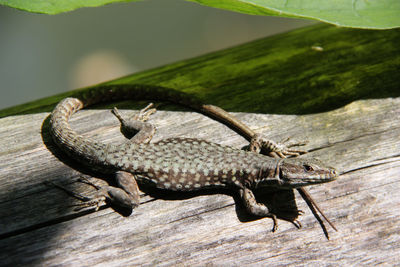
{"x":362,"y":139}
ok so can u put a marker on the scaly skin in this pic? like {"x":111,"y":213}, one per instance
{"x":179,"y":164}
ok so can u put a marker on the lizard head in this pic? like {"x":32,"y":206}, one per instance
{"x":296,"y":172}
{"x":301,"y":172}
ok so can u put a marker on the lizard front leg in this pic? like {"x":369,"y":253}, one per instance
{"x":255,"y":208}
{"x":282,"y":150}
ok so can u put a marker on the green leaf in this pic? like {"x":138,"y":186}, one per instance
{"x":371,"y":14}
{"x":56,"y":6}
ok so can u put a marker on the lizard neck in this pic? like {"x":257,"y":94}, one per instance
{"x":267,"y":174}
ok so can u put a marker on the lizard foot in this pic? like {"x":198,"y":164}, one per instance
{"x":297,"y":224}
{"x":96,"y":201}
{"x":283,"y":149}
{"x":136,"y":128}
{"x":143,"y":115}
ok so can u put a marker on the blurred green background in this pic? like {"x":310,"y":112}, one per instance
{"x":42,"y":55}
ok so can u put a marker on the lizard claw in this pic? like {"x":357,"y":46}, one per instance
{"x":297,"y":224}
{"x":300,"y":212}
{"x":143,"y":115}
{"x":275,"y":221}
{"x":293,"y":143}
{"x":97,"y":200}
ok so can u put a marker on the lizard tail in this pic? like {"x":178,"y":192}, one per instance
{"x":89,"y":150}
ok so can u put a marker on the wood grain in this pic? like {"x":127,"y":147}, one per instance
{"x":38,"y":226}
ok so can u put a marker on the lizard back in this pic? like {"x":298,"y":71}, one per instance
{"x":177,"y":164}
{"x":186,"y":163}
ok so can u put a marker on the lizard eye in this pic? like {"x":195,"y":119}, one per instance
{"x":308,"y":168}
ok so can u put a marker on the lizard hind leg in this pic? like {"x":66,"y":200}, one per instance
{"x":125,"y":196}
{"x":136,"y":128}
{"x":282,"y":150}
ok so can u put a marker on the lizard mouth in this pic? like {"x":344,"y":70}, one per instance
{"x":317,"y":178}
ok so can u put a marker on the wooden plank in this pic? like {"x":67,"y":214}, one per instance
{"x":38,"y":226}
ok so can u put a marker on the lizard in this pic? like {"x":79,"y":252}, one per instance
{"x":181,"y":164}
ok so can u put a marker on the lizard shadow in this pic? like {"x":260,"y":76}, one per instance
{"x":281,"y":202}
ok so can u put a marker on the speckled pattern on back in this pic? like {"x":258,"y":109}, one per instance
{"x":176,"y":164}
{"x":186,"y":164}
